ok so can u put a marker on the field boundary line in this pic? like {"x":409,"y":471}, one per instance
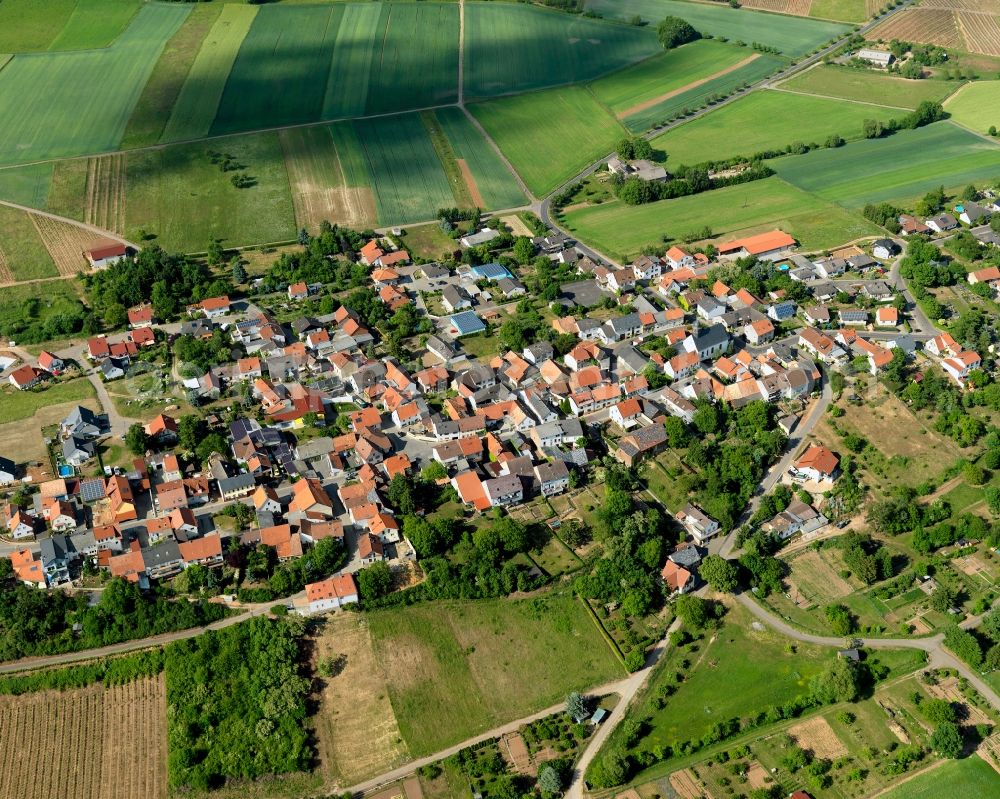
{"x":839,"y":99}
{"x":499,"y":152}
{"x":615,"y":649}
{"x":646,"y":104}
{"x":75,"y":222}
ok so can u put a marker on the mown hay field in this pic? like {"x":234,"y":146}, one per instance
{"x":95,"y":23}
{"x":791,"y":35}
{"x":24,"y":253}
{"x":28,"y":25}
{"x":846,"y":83}
{"x":976,"y":105}
{"x":62,"y":104}
{"x":516,"y":48}
{"x":549,"y":136}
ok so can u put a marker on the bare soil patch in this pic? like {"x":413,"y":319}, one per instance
{"x":797,"y":7}
{"x":981,"y":31}
{"x":6,"y":275}
{"x":635,"y":109}
{"x":515,"y":750}
{"x":66,"y":243}
{"x":757,"y":776}
{"x":470,"y":181}
{"x":314,"y":200}
{"x":356,"y":729}
{"x":818,"y":736}
{"x":687,"y":786}
{"x":517,"y":226}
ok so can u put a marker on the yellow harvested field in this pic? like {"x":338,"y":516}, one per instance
{"x":66,"y":243}
{"x":818,"y":736}
{"x":799,"y":8}
{"x":88,"y":743}
{"x":517,"y":226}
{"x":104,"y":206}
{"x":984,"y":6}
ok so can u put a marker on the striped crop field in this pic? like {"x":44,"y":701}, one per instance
{"x":517,"y":48}
{"x":793,"y":36}
{"x":350,"y":67}
{"x":407,"y":177}
{"x":95,"y":23}
{"x":490,"y":176}
{"x":64,"y":104}
{"x":201,"y":91}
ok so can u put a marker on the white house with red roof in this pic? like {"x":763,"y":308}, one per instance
{"x":959,"y":366}
{"x":26,"y":377}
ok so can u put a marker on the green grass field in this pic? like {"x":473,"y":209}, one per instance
{"x":498,"y":187}
{"x":791,"y":35}
{"x":15,"y":405}
{"x":95,"y":23}
{"x":26,"y":185}
{"x":61,"y":104}
{"x":23,"y":250}
{"x":517,"y":48}
{"x":866,"y":86}
{"x":698,"y":96}
{"x":846,"y":10}
{"x":975,"y":105}
{"x":766,"y":120}
{"x":972,"y":776}
{"x":28,"y":25}
{"x":550,"y":136}
{"x":406,"y":174}
{"x":178,"y":194}
{"x":900,"y":167}
{"x":459,"y":668}
{"x":68,"y":190}
{"x":350,"y":67}
{"x":622,"y":230}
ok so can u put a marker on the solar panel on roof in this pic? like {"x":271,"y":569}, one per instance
{"x":92,"y":490}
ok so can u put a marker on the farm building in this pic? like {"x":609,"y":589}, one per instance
{"x":763,"y":245}
{"x":106,"y":253}
{"x":877,"y":58}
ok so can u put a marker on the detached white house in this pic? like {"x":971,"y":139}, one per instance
{"x":329,"y":594}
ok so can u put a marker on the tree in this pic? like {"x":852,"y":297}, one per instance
{"x":838,"y":683}
{"x":991,"y":624}
{"x":375,"y":581}
{"x":938,"y":711}
{"x":239,"y":271}
{"x":723,"y":575}
{"x":840,"y":619}
{"x":549,"y":782}
{"x":947,"y":740}
{"x":674,"y":31}
{"x":942,"y":599}
{"x":136,"y":439}
{"x":872,"y":129}
{"x":524,"y":250}
{"x":576,"y":707}
{"x":400,"y":495}
{"x":693,"y":611}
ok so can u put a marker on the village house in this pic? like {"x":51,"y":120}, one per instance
{"x":818,"y":463}
{"x":699,"y":526}
{"x":330,"y":594}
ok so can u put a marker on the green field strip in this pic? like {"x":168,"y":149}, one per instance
{"x":280,"y":75}
{"x":63,"y":104}
{"x":766,"y":120}
{"x":29,"y":25}
{"x":698,"y":96}
{"x":407,"y":178}
{"x":865,"y":86}
{"x":350,"y":66}
{"x":5,"y":59}
{"x":496,"y":184}
{"x":405,"y":76}
{"x":27,"y":185}
{"x":899,"y":167}
{"x":25,"y":254}
{"x":461,"y":190}
{"x":517,"y":48}
{"x":161,"y":91}
{"x":840,"y":10}
{"x":793,"y":36}
{"x":95,"y":23}
{"x":68,"y":190}
{"x":976,"y":105}
{"x":351,"y":154}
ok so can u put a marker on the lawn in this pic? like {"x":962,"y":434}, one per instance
{"x":459,"y":668}
{"x":766,"y":120}
{"x":429,"y":241}
{"x":972,"y":775}
{"x":62,"y":104}
{"x":95,"y":23}
{"x":24,"y":254}
{"x":975,"y":105}
{"x":16,"y":405}
{"x":867,"y":86}
{"x":495,"y":184}
{"x":26,"y":185}
{"x":556,"y":558}
{"x":550,"y":136}
{"x":551,"y":48}
{"x":623,"y":230}
{"x":406,"y":174}
{"x":26,"y":305}
{"x":901,"y":167}
{"x":178,"y":194}
{"x":791,"y":35}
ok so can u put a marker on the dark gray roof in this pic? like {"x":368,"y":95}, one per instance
{"x":240,"y":481}
{"x":706,"y":337}
{"x":165,"y":552}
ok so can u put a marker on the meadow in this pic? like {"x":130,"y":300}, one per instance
{"x":551,"y":48}
{"x":459,"y":668}
{"x":28,"y":25}
{"x":407,"y":177}
{"x":549,"y":136}
{"x":61,"y":104}
{"x":901,"y":167}
{"x":844,"y":10}
{"x":972,"y":775}
{"x":866,"y":86}
{"x":26,"y":185}
{"x":95,"y":23}
{"x":766,"y":120}
{"x":494,"y":182}
{"x":179,"y":195}
{"x":622,"y":231}
{"x":205,"y":79}
{"x":18,"y":405}
{"x":22,"y":253}
{"x":793,"y":36}
{"x":975,"y":105}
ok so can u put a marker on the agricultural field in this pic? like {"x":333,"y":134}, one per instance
{"x":66,"y":243}
{"x":953,"y":24}
{"x":452,"y":663}
{"x":551,"y":48}
{"x":490,"y":182}
{"x":622,"y":230}
{"x":549,"y":136}
{"x":767,"y":120}
{"x":842,"y":10}
{"x":95,"y":23}
{"x":86,"y":743}
{"x":62,"y":104}
{"x":793,"y":36}
{"x":974,"y":105}
{"x":196,"y":79}
{"x":104,"y":204}
{"x":972,"y":775}
{"x":319,"y":188}
{"x":407,"y":177}
{"x":27,"y":26}
{"x":178,"y":194}
{"x":68,"y":192}
{"x":26,"y":185}
{"x":899,"y":168}
{"x":866,"y":86}
{"x":22,"y":252}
